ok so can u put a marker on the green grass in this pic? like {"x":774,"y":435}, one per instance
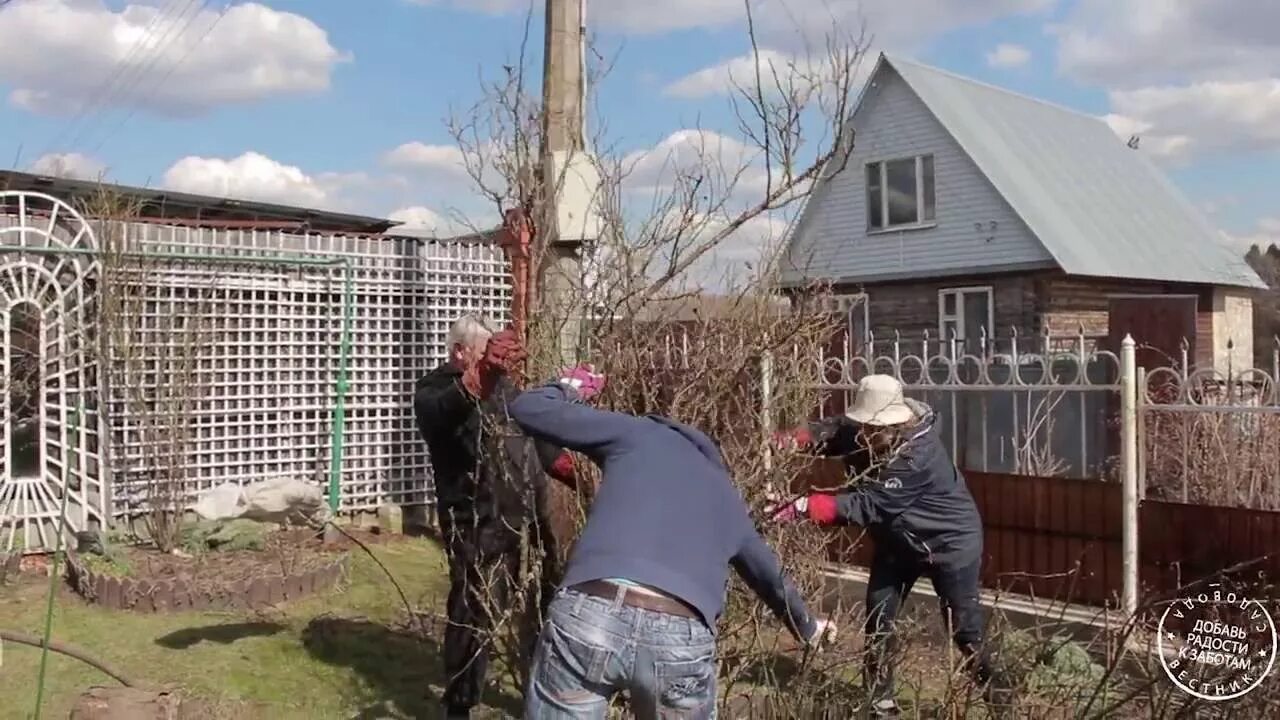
{"x":330,"y":656}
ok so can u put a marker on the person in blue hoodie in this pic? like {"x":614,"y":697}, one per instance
{"x":913,"y":502}
{"x":645,"y":583}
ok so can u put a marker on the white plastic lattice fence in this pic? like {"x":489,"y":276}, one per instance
{"x":267,"y":357}
{"x":227,"y":371}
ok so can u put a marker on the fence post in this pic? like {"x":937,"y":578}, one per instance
{"x":1129,"y":475}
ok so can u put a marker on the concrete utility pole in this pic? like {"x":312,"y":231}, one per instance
{"x":571,"y":220}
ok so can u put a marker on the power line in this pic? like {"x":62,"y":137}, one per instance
{"x":182,"y":60}
{"x":113,"y":76}
{"x":162,"y":45}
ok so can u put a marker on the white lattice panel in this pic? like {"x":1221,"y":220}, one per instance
{"x":49,"y":441}
{"x":267,"y":360}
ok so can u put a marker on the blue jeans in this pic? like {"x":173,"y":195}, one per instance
{"x":592,"y":648}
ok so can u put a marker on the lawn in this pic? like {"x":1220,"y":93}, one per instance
{"x":335,"y":655}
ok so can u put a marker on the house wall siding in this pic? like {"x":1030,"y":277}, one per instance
{"x":975,"y":228}
{"x":1034,"y":303}
{"x":909,"y":309}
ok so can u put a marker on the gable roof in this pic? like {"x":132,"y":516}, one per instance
{"x":1099,"y":208}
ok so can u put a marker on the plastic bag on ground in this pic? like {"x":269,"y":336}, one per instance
{"x":278,"y":500}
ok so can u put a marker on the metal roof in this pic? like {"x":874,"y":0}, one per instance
{"x":200,"y":209}
{"x":1100,"y":208}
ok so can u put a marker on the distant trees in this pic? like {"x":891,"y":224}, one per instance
{"x":1266,"y":308}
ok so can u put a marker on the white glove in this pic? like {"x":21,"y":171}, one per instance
{"x":824,"y":634}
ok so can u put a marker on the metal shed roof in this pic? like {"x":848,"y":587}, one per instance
{"x":168,"y":205}
{"x":1100,"y":208}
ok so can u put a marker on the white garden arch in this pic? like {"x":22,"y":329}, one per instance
{"x":50,"y":439}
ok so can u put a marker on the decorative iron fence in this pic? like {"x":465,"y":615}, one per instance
{"x":1034,"y":406}
{"x":1211,"y":437}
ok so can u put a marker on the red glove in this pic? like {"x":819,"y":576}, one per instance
{"x":562,"y":469}
{"x":792,"y":439}
{"x":504,"y":352}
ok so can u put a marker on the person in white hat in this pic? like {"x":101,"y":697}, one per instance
{"x":912,"y":500}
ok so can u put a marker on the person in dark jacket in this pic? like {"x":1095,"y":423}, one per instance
{"x":646,"y":581}
{"x":490,"y":487}
{"x":913,"y":502}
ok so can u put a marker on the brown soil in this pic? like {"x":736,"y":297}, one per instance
{"x":286,"y":553}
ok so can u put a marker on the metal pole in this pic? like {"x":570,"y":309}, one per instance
{"x":766,"y":405}
{"x":1129,"y":475}
{"x":340,"y":408}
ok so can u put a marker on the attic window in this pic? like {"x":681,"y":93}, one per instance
{"x":900,"y":192}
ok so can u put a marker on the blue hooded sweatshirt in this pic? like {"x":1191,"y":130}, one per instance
{"x":667,"y":514}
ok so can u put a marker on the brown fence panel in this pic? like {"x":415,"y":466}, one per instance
{"x":1180,"y":544}
{"x":1056,"y":538}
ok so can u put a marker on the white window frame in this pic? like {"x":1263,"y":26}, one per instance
{"x":958,"y":316}
{"x":921,"y":221}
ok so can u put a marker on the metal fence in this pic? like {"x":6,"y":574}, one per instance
{"x":1037,"y":406}
{"x":272,"y":307}
{"x":1208,"y":436}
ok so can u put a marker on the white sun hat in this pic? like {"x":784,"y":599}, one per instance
{"x":880,"y":402}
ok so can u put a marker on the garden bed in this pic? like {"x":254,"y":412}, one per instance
{"x":290,"y":566}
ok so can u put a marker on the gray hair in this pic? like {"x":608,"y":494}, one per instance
{"x":469,"y":331}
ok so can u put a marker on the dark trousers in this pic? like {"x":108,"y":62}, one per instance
{"x":488,"y":594}
{"x":892,"y":577}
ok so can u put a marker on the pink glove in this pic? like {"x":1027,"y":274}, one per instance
{"x":584,"y":379}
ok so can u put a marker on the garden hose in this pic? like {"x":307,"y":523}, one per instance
{"x":69,"y":651}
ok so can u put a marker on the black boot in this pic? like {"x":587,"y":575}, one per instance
{"x":456,"y":713}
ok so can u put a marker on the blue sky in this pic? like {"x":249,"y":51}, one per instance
{"x":320,"y":91}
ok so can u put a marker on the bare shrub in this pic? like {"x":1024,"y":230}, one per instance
{"x":152,"y":329}
{"x":1213,"y":445}
{"x":674,"y":339}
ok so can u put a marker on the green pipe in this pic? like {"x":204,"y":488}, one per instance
{"x":340,"y":408}
{"x":54,"y":576}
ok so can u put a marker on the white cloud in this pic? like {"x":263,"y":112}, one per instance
{"x":1265,"y":234}
{"x":1166,"y":148}
{"x":68,"y":165}
{"x":1140,"y":43}
{"x":1241,"y":115}
{"x":1202,"y":74}
{"x":253,"y":176}
{"x":777,"y":70}
{"x":423,"y":157}
{"x":787,"y":23}
{"x":695,"y":152}
{"x":1007,"y":55}
{"x":688,"y":152}
{"x":60,"y":56}
{"x":721,"y":78}
{"x":738,"y":257}
{"x":423,"y":221}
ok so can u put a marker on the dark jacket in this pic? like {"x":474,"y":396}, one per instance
{"x":916,"y":502}
{"x":484,"y":468}
{"x":667,"y":514}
